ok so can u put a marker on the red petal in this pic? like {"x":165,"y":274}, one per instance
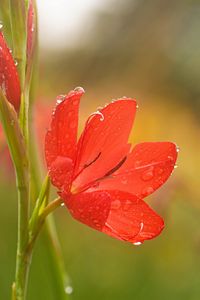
{"x":118,"y":214}
{"x":91,"y":209}
{"x":103,"y":143}
{"x":147,"y":167}
{"x":9,"y":80}
{"x":61,"y":139}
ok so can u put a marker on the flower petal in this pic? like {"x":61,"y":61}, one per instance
{"x":118,"y":214}
{"x":9,"y":80}
{"x":61,"y":139}
{"x":104,"y":141}
{"x":147,"y":167}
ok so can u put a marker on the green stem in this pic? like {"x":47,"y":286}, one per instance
{"x":19,"y":156}
{"x":51,"y":207}
{"x":23,"y":257}
{"x":49,"y":238}
{"x":39,"y":220}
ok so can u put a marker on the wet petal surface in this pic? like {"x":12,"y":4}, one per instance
{"x":104,"y":141}
{"x":118,"y":214}
{"x":61,"y":139}
{"x":146,"y":168}
{"x":9,"y":79}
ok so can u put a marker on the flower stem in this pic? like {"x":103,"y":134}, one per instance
{"x":23,"y":257}
{"x":49,"y":238}
{"x":19,"y":156}
{"x":38,"y":220}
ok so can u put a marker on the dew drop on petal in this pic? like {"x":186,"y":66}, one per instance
{"x":100,"y":113}
{"x":138,"y":163}
{"x":60,"y":99}
{"x":147,"y":191}
{"x":137,"y":243}
{"x":170,"y":158}
{"x":160,"y":171}
{"x":124,"y":180}
{"x":147,"y":175}
{"x":116,"y":204}
{"x":79,"y":89}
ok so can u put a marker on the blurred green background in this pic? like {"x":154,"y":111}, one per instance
{"x":149,"y":50}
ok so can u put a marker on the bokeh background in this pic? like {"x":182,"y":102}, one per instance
{"x":149,"y":50}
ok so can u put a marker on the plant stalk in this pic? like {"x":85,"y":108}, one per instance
{"x":19,"y":156}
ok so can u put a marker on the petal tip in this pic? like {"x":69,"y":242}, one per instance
{"x":79,"y":89}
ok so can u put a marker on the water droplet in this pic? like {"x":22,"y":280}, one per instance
{"x":137,"y":106}
{"x":170,"y":157}
{"x":16,"y":63}
{"x":177,"y":149}
{"x":124,"y":180}
{"x":116,"y":204}
{"x":147,"y":191}
{"x":95,"y":221}
{"x":100,"y":114}
{"x":62,"y":204}
{"x":137,"y":243}
{"x":60,"y":99}
{"x":160,"y":171}
{"x":69,"y":290}
{"x":175,"y":167}
{"x":138,"y":163}
{"x":147,"y":175}
{"x":1,"y":25}
{"x":79,"y":89}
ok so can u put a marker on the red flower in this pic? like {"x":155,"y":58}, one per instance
{"x":101,"y":179}
{"x":9,"y":80}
